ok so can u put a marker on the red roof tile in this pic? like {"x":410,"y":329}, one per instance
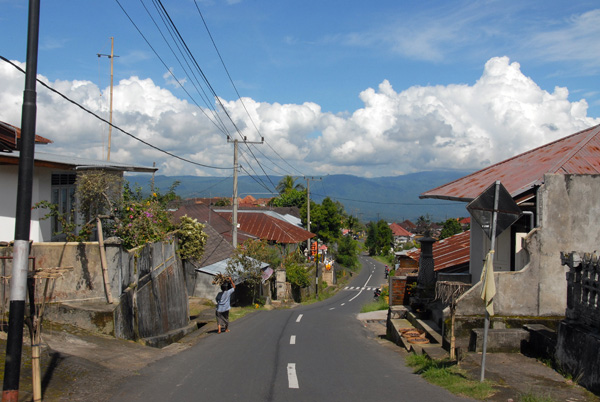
{"x":449,"y":252}
{"x":578,"y":153}
{"x":398,"y":230}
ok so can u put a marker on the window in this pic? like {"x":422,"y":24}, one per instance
{"x":63,"y":195}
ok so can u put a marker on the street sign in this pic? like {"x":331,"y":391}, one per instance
{"x":482,"y":210}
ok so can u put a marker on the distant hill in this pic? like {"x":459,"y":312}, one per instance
{"x":393,"y":198}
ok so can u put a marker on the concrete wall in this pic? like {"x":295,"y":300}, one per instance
{"x":84,"y":282}
{"x":569,"y":218}
{"x":147,"y":283}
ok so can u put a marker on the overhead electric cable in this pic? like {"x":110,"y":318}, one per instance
{"x":116,"y":127}
{"x":167,"y":68}
{"x":238,"y":94}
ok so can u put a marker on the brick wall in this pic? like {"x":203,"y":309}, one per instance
{"x":399,"y":294}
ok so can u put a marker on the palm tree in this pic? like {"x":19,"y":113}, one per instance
{"x":288,"y":183}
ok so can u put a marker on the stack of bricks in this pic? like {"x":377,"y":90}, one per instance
{"x":399,"y":293}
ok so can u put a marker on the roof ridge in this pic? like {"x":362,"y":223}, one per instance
{"x":480,"y":171}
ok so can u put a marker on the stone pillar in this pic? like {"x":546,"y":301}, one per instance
{"x":426,"y":278}
{"x":280,"y":279}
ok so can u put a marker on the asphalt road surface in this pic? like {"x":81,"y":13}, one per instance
{"x":319,"y":352}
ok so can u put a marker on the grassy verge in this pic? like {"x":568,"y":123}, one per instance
{"x":374,"y":306}
{"x":449,"y":376}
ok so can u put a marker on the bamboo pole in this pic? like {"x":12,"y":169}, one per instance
{"x":103,"y":262}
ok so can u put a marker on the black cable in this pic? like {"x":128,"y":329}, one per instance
{"x":112,"y":125}
{"x":167,"y":67}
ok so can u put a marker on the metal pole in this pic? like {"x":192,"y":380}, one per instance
{"x":317,"y":270}
{"x":308,"y":212}
{"x":112,"y":57}
{"x":235,"y":191}
{"x":486,"y":323}
{"x":18,"y":286}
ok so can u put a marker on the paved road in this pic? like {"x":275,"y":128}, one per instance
{"x":319,"y":352}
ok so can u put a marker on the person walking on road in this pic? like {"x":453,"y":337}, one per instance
{"x":223,"y":306}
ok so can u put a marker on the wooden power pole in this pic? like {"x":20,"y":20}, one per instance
{"x":111,"y":56}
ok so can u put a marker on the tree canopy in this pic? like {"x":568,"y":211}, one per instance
{"x":288,"y":183}
{"x":379,"y":238}
{"x":326,"y":221}
{"x":450,"y":228}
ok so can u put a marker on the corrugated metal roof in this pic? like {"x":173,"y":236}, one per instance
{"x":449,"y":252}
{"x":269,"y":228}
{"x":578,"y":153}
{"x":73,"y":162}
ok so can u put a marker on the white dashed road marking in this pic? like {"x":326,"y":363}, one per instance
{"x":299,"y":318}
{"x":293,"y":340}
{"x":292,"y":379}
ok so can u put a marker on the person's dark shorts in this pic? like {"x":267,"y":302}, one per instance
{"x":223,"y":318}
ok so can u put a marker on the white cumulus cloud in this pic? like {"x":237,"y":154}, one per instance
{"x":395,"y":132}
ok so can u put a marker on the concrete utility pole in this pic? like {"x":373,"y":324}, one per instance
{"x":111,"y":56}
{"x":308,"y":179}
{"x":234,"y":220}
{"x":18,"y":283}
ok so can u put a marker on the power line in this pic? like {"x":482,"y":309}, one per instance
{"x":112,"y":125}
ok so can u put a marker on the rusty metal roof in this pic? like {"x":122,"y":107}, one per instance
{"x":577,"y":153}
{"x":448,"y":253}
{"x":9,"y":136}
{"x":267,"y":227}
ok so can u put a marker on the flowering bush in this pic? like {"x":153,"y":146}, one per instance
{"x":141,"y":222}
{"x":191,"y":237}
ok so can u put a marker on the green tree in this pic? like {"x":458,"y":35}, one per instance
{"x":290,"y":198}
{"x":450,"y":228}
{"x":371,"y":241}
{"x":223,"y":202}
{"x":347,"y":252}
{"x":288,"y":183}
{"x":247,"y":260}
{"x":326,"y":221}
{"x":379,"y":238}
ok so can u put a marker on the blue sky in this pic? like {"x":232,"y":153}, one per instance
{"x":367,"y":88}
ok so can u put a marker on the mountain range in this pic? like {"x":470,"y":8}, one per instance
{"x":393,"y":198}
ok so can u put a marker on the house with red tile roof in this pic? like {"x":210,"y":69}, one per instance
{"x":556,"y":187}
{"x":401,"y":235}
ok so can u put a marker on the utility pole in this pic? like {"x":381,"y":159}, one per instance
{"x":234,"y":220}
{"x":18,"y":283}
{"x":308,"y":179}
{"x":111,"y":56}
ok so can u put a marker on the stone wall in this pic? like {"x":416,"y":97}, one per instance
{"x":569,"y":215}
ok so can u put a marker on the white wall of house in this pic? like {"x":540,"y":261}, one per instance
{"x":40,"y":230}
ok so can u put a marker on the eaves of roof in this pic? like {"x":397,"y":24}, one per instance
{"x":43,"y":159}
{"x":578,"y":153}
